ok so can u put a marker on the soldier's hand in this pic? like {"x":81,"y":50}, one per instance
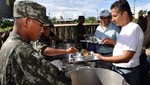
{"x":71,"y":50}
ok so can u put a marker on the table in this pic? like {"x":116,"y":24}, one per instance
{"x":83,"y":59}
{"x":76,"y":65}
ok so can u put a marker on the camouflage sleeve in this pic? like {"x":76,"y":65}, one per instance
{"x":38,"y":48}
{"x":38,"y":71}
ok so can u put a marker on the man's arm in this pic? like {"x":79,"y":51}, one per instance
{"x":123,"y":58}
{"x":48,"y":51}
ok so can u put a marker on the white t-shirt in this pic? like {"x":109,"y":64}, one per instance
{"x":130,"y":38}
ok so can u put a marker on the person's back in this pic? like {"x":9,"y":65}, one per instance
{"x":147,"y":32}
{"x":80,"y":31}
{"x":19,"y":64}
{"x":146,"y":44}
{"x":142,"y":22}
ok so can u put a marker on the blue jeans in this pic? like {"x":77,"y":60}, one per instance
{"x":131,"y":75}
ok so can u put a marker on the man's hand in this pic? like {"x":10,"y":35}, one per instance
{"x":97,"y":55}
{"x":109,"y":41}
{"x":71,"y":50}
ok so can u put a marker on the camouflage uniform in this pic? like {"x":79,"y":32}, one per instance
{"x":20,"y":66}
{"x":46,"y":40}
{"x":19,"y":63}
{"x":39,"y":45}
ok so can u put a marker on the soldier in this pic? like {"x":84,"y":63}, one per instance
{"x":18,"y":63}
{"x":47,"y":50}
{"x":44,"y":47}
{"x":80,"y":31}
{"x":48,"y":37}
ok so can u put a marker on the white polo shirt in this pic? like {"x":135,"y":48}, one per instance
{"x":130,"y":38}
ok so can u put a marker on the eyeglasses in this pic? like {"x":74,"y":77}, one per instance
{"x":41,"y":24}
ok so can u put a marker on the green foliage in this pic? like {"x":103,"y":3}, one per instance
{"x":5,"y":24}
{"x":53,"y":20}
{"x":5,"y":29}
{"x":90,"y":20}
{"x":75,"y":20}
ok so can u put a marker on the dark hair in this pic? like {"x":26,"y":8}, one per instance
{"x":122,"y":6}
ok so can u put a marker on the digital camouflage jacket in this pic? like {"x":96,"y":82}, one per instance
{"x":20,"y":66}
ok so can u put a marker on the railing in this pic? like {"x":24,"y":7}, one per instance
{"x":66,"y":31}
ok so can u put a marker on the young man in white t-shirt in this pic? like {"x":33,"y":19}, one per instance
{"x":129,"y":43}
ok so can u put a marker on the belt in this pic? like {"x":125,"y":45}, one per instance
{"x":128,"y":68}
{"x":106,"y":53}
